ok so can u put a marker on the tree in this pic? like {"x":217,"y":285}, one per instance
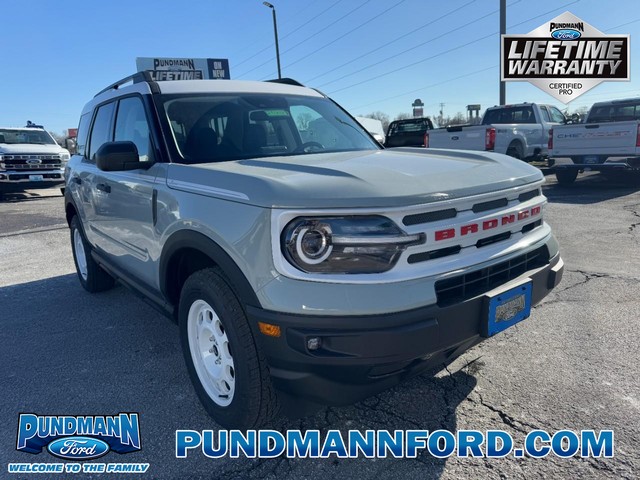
{"x":403,"y":116}
{"x":458,"y":119}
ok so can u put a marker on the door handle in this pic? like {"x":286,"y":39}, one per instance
{"x":76,"y":180}
{"x":103,"y":187}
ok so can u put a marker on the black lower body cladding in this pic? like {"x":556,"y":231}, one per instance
{"x":360,"y":356}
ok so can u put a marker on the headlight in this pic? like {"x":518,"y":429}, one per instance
{"x":65,"y":157}
{"x":347,"y":245}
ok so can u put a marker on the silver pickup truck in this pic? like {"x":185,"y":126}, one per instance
{"x":520,"y":131}
{"x":296,"y":254}
{"x":608,"y":141}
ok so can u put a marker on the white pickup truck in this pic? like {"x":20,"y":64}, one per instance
{"x":521,"y":131}
{"x":30,"y":158}
{"x":608,"y":141}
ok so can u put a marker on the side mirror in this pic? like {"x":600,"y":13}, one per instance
{"x":119,"y":156}
{"x":70,"y":145}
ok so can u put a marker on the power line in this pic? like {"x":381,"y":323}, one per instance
{"x":308,"y":38}
{"x":427,"y":86}
{"x":441,"y":53}
{"x":573,"y":104}
{"x":344,"y":35}
{"x":431,"y":22}
{"x":313,"y":19}
{"x":398,"y":54}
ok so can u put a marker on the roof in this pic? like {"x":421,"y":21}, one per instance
{"x":22,"y":129}
{"x":233,"y":86}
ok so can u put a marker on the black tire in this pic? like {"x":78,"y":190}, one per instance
{"x":566,"y":176}
{"x":551,"y":162}
{"x":96,"y":279}
{"x":515,"y":150}
{"x":254,"y":401}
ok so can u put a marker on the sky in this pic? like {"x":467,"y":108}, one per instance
{"x":368,"y":55}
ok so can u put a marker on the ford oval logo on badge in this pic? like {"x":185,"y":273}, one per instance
{"x":566,"y":34}
{"x":78,"y":448}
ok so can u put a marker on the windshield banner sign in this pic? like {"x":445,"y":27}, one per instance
{"x":565,"y":57}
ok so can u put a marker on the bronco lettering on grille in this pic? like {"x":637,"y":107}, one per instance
{"x":469,"y":228}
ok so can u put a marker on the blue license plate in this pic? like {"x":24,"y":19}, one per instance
{"x":508,"y":308}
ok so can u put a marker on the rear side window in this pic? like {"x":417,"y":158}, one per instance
{"x":83,"y":134}
{"x":614,"y":113}
{"x":556,"y":115}
{"x":101,"y":131}
{"x":509,"y":115}
{"x":545,"y":114}
{"x":132,"y":126}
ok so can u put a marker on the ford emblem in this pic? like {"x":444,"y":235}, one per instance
{"x":455,"y":137}
{"x":34,"y":162}
{"x":566,"y":34}
{"x":78,"y":448}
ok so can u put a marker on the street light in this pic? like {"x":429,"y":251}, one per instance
{"x":275,"y":31}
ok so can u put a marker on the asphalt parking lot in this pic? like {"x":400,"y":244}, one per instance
{"x":572,"y":365}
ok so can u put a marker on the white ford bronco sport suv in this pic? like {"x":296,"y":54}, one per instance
{"x":302,"y":261}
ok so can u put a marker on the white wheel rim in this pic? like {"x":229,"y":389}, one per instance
{"x":81,"y":257}
{"x":210,"y":353}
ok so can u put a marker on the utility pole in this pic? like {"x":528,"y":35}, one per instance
{"x":503,"y":30}
{"x":275,"y":32}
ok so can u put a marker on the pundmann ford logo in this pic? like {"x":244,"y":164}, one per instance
{"x":565,"y":57}
{"x":79,"y":437}
{"x":566,"y":31}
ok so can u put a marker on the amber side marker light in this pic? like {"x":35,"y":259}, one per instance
{"x":269,"y":330}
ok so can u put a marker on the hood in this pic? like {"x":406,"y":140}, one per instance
{"x":367,"y":179}
{"x":21,"y":148}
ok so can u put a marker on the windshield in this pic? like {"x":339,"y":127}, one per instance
{"x":214,"y":128}
{"x":34,"y":136}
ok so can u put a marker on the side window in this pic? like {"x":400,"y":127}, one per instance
{"x":132,"y":126}
{"x":545,"y":114}
{"x":83,"y":134}
{"x":556,"y":115}
{"x":101,"y":131}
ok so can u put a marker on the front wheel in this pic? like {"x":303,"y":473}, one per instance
{"x":92,"y":277}
{"x":227,"y":368}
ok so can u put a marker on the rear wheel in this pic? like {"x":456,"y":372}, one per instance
{"x":92,"y":277}
{"x":515,"y":150}
{"x":227,"y":368}
{"x":566,"y":176}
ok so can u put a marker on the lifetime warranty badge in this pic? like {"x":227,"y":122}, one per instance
{"x":565,"y":57}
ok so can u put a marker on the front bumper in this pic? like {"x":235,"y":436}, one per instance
{"x":363,"y":355}
{"x":24,"y":180}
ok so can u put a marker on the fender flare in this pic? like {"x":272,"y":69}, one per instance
{"x":198,"y":241}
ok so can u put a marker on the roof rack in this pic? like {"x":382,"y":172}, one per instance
{"x":286,"y":81}
{"x":137,"y":77}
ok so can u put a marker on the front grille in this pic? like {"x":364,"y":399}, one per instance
{"x":25,"y":176}
{"x":528,"y":195}
{"x":427,"y":217}
{"x":31,"y":162}
{"x":430,"y":216}
{"x":462,"y":287}
{"x":491,"y":205}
